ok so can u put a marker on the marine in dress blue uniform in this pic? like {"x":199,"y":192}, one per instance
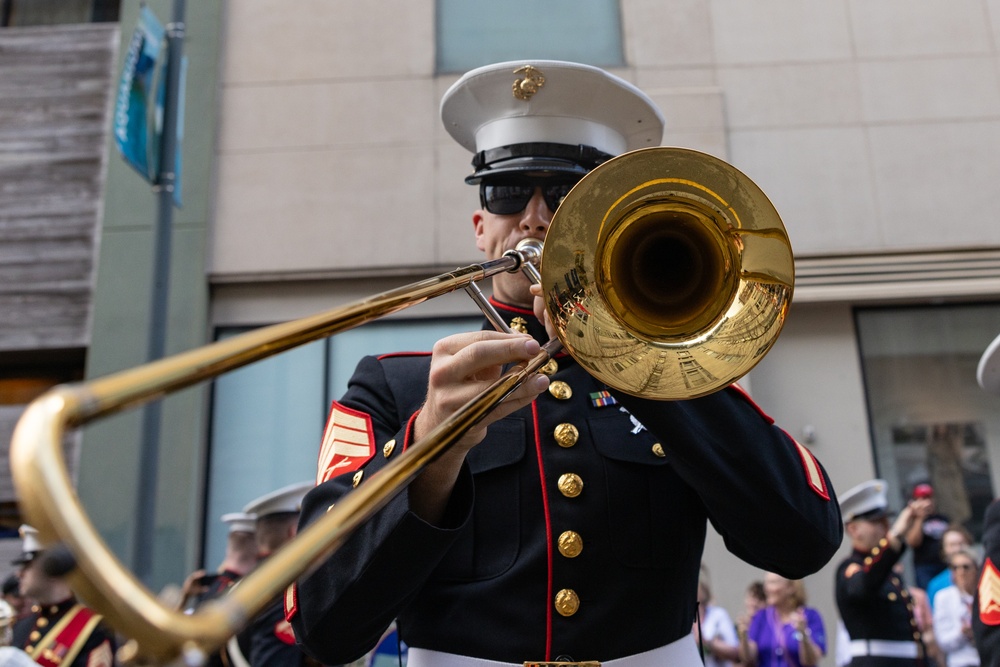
{"x":986,"y":603}
{"x":574,"y":530}
{"x":875,"y":606}
{"x":241,"y":556}
{"x":268,"y":641}
{"x":59,"y":631}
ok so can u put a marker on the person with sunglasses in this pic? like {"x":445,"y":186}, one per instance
{"x":953,"y":611}
{"x":568,"y":526}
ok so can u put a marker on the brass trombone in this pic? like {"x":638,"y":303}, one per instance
{"x":666,"y":272}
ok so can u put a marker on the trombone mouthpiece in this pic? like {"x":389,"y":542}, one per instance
{"x":528,"y":250}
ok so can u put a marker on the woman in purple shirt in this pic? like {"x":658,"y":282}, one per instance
{"x":785,"y":633}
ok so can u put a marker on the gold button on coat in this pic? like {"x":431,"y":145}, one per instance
{"x":560,"y":390}
{"x":567,"y":602}
{"x":566,"y":435}
{"x":42,"y":622}
{"x":550,"y":368}
{"x":570,"y":544}
{"x":570,"y":485}
{"x":357,"y":477}
{"x":388,"y":447}
{"x":35,"y":635}
{"x":658,"y":450}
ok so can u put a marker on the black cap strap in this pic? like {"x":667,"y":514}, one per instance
{"x":587,"y":156}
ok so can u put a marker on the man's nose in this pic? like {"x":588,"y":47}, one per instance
{"x":536,"y":216}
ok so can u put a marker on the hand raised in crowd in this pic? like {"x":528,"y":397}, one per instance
{"x":909,"y":520}
{"x":192,"y":587}
{"x":798,"y":620}
{"x":967,"y":629}
{"x":922,"y":508}
{"x":904,"y":521}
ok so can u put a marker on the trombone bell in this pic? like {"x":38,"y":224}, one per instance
{"x":682,"y":286}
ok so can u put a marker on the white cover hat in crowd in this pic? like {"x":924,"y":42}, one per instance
{"x":868,"y":500}
{"x":285,"y":500}
{"x":31,"y":546}
{"x":240,"y":522}
{"x":988,"y":371}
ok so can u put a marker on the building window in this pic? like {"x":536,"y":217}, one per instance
{"x":268,"y":417}
{"x":472,"y":34}
{"x":930,"y":420}
{"x":24,"y":376}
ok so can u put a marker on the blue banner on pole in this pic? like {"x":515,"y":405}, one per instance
{"x":138,"y":120}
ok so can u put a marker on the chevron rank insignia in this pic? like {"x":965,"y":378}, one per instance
{"x":348,"y":442}
{"x":989,"y":594}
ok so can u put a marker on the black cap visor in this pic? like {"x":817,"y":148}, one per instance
{"x":871,"y":515}
{"x":26,"y":557}
{"x":536,"y":160}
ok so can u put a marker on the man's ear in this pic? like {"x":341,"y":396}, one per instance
{"x":478,"y":224}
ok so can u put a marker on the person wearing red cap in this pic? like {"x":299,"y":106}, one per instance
{"x":925,"y":535}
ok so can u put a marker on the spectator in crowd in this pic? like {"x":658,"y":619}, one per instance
{"x":924,"y":618}
{"x":925,"y":535}
{"x":953,"y":611}
{"x":785,"y":633}
{"x":714,"y":628}
{"x":754,"y":599}
{"x":954,"y":540}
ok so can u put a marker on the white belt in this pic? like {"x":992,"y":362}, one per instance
{"x":884,"y":648}
{"x":680,"y":653}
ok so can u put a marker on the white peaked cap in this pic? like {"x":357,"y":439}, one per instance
{"x":988,"y":372}
{"x":31,"y":546}
{"x":868,"y":500}
{"x":240,"y":522}
{"x":549,"y":101}
{"x":29,"y":539}
{"x":284,"y":500}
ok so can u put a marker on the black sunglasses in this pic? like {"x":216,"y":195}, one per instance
{"x":511,"y":198}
